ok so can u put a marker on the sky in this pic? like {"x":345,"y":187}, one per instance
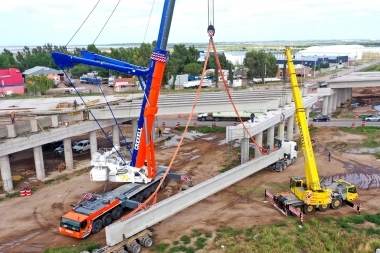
{"x":36,"y":22}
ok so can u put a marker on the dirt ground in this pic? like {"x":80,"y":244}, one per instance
{"x":30,"y":224}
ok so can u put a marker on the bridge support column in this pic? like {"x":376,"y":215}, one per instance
{"x":325,"y":105}
{"x":259,"y":141}
{"x":115,"y":135}
{"x":6,"y":174}
{"x":335,"y":101}
{"x":280,"y":130}
{"x":93,"y":143}
{"x":290,"y":128}
{"x":307,"y":113}
{"x":270,"y":136}
{"x":69,"y":153}
{"x":330,"y":104}
{"x":244,"y":150}
{"x":134,"y":130}
{"x":349,"y":93}
{"x":39,"y":163}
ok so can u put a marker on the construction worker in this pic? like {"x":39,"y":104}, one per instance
{"x":268,"y":148}
{"x":75,"y":104}
{"x":159,"y":132}
{"x":12,"y":115}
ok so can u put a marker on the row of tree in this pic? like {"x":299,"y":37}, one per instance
{"x":181,"y":60}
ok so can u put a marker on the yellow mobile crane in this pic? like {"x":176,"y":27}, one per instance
{"x":307,"y":195}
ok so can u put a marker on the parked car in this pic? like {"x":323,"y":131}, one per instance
{"x":60,"y":150}
{"x":372,"y":118}
{"x":321,"y":118}
{"x":82,"y":146}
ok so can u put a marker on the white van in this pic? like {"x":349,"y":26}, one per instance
{"x":82,"y":146}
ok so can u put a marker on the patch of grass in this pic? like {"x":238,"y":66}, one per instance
{"x":12,"y":195}
{"x":196,"y":233}
{"x":160,"y":247}
{"x":49,"y":181}
{"x":377,"y":155}
{"x":371,"y":144}
{"x":185,"y":239}
{"x":204,"y":129}
{"x":175,"y":242}
{"x":208,"y":234}
{"x":86,"y":246}
{"x":200,"y":243}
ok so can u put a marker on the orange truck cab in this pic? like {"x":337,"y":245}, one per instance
{"x":75,"y":225}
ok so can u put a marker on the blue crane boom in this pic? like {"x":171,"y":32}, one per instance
{"x":143,"y":150}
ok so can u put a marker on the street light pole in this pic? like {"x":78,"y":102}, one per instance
{"x":315,"y":62}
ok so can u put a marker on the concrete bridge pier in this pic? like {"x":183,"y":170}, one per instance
{"x":259,"y":141}
{"x":68,"y":154}
{"x":6,"y":174}
{"x":39,"y":162}
{"x":281,"y":130}
{"x":270,"y":137}
{"x":244,"y":150}
{"x":325,"y":105}
{"x":330,"y":104}
{"x":307,"y":113}
{"x":93,"y":143}
{"x":115,"y":135}
{"x":290,"y":128}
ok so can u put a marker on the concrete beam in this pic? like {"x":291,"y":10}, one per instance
{"x":263,"y":122}
{"x":180,"y":108}
{"x":22,"y":143}
{"x":117,"y":231}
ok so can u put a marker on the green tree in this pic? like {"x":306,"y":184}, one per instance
{"x":79,"y":70}
{"x":260,"y":64}
{"x":193,"y":69}
{"x":38,"y":84}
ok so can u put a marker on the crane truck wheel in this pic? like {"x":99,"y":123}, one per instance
{"x":146,"y":241}
{"x":107,"y":219}
{"x":146,"y":192}
{"x":117,"y":212}
{"x":139,"y":198}
{"x":336,"y":203}
{"x":216,"y":119}
{"x":134,"y":247}
{"x":309,"y":209}
{"x":324,"y":208}
{"x":96,"y":226}
{"x":203,"y":119}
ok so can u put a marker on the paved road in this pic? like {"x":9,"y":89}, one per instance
{"x":348,"y":71}
{"x":172,"y":121}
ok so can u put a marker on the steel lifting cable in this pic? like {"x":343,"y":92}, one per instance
{"x":261,"y":149}
{"x":153,"y":197}
{"x":106,"y":22}
{"x":211,"y":33}
{"x":83,"y":23}
{"x":81,"y":98}
{"x":113,"y":116}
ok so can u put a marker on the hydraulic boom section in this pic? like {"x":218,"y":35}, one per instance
{"x":311,"y":172}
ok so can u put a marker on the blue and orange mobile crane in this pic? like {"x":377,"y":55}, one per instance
{"x":96,"y":211}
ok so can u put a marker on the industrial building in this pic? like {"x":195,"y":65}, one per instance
{"x":11,"y":81}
